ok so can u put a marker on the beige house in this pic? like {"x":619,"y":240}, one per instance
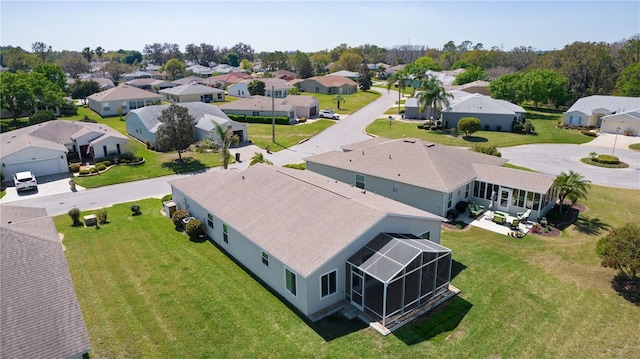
{"x":292,"y":106}
{"x":436,"y":177}
{"x":589,"y":111}
{"x":327,"y":85}
{"x":124,"y":97}
{"x":192,"y":93}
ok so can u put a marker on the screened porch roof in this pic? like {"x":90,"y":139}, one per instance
{"x":388,"y":253}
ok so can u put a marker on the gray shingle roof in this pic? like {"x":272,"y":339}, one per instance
{"x":258,"y":103}
{"x":149,"y":114}
{"x":123,"y":93}
{"x":415,"y":162}
{"x":478,"y":103}
{"x":279,"y":210}
{"x":191,"y":89}
{"x":587,"y":104}
{"x":509,"y":177}
{"x":39,"y":310}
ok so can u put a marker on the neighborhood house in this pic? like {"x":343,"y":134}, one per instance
{"x":358,"y":248}
{"x":436,"y":177}
{"x":326,"y":85}
{"x":291,"y":106}
{"x":589,"y":111}
{"x":121,"y":99}
{"x":192,"y":92}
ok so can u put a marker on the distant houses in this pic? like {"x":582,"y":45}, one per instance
{"x":589,"y":111}
{"x":121,"y":99}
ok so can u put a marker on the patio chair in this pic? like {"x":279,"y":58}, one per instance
{"x":515,"y":223}
{"x":475,"y":210}
{"x":499,"y":219}
{"x":524,"y":216}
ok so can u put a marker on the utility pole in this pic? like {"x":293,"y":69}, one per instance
{"x":273,"y":116}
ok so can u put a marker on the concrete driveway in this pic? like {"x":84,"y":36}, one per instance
{"x":47,"y":186}
{"x":553,"y":159}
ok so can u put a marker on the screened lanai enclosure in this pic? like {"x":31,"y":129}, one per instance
{"x":395,"y":274}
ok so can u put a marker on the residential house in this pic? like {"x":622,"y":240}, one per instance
{"x":328,"y":85}
{"x":202,"y":71}
{"x":495,"y":115}
{"x":261,"y":106}
{"x":344,"y":73}
{"x":225,"y":69}
{"x":481,"y":87}
{"x":190,"y":80}
{"x":42,"y":148}
{"x":124,"y":97}
{"x":135,"y":75}
{"x":304,"y":106}
{"x":103,"y":82}
{"x":39,"y":310}
{"x":623,"y":123}
{"x":192,"y":93}
{"x":143,"y":123}
{"x":436,"y":177}
{"x":226,"y":80}
{"x":318,"y":243}
{"x":285,"y":75}
{"x":412,"y":108}
{"x":589,"y":111}
{"x":279,"y":87}
{"x":150,"y":84}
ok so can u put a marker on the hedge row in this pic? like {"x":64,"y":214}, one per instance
{"x":280,"y":120}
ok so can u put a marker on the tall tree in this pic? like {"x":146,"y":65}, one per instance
{"x":175,"y":67}
{"x":16,"y":95}
{"x":88,"y":55}
{"x":628,"y":83}
{"x":83,"y":89}
{"x":46,"y":93}
{"x":471,"y":74}
{"x":338,"y":100}
{"x":244,"y":51}
{"x":19,"y":60}
{"x":364,"y":78}
{"x":99,"y":53}
{"x":302,"y":65}
{"x":116,"y":69}
{"x":193,"y":52}
{"x":432,"y":94}
{"x":42,"y":50}
{"x":74,"y":64}
{"x":572,"y":185}
{"x":349,"y":60}
{"x":274,"y":61}
{"x":226,"y":140}
{"x":400,"y":80}
{"x":258,"y":157}
{"x":232,"y":59}
{"x":256,"y":87}
{"x":54,"y":74}
{"x":508,"y":87}
{"x":543,"y":86}
{"x":176,"y":130}
{"x":620,"y":250}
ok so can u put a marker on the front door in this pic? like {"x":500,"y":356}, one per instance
{"x":357,"y":284}
{"x":504,"y":199}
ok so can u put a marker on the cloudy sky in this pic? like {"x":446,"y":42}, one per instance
{"x":271,"y":25}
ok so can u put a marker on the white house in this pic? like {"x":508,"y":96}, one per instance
{"x":107,"y":103}
{"x":42,"y":148}
{"x":319,"y":242}
{"x":623,"y":123}
{"x":279,"y":87}
{"x":589,"y":111}
{"x":192,"y":92}
{"x":495,"y":115}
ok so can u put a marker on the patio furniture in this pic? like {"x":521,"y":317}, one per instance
{"x":475,"y":209}
{"x":498,"y":218}
{"x":500,"y":213}
{"x":515,"y":223}
{"x":524,"y":216}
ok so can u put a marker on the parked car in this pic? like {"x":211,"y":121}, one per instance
{"x":25,"y":181}
{"x":328,"y":114}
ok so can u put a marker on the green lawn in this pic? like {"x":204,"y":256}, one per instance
{"x":354,"y":101}
{"x":286,"y":135}
{"x":146,"y":291}
{"x":545,"y":124}
{"x":634,"y":146}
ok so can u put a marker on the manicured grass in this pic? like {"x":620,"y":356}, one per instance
{"x":545,"y":125}
{"x":146,"y":291}
{"x":354,"y":101}
{"x":394,"y":110}
{"x":591,"y":162}
{"x":3,"y":192}
{"x":634,"y":146}
{"x":286,"y":135}
{"x":227,"y":99}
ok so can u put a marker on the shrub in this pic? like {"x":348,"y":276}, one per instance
{"x":302,"y":119}
{"x":135,"y":209}
{"x":74,"y":168}
{"x":101,"y":167}
{"x":608,"y":159}
{"x":434,"y":128}
{"x":517,"y":127}
{"x":84,"y":171}
{"x":297,"y":166}
{"x":107,"y":163}
{"x":178,"y":216}
{"x":486,"y":149}
{"x":469,"y":125}
{"x":73,"y":155}
{"x":101,"y":214}
{"x":74,"y":213}
{"x":87,"y":119}
{"x":41,"y":116}
{"x":167,"y":197}
{"x":528,"y":127}
{"x":280,"y":120}
{"x":194,"y":228}
{"x":588,"y":133}
{"x":148,"y":144}
{"x":93,"y":170}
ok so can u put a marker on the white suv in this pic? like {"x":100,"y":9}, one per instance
{"x":328,"y":114}
{"x":24,"y":181}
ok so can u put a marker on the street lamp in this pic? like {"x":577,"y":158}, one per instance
{"x":615,"y":140}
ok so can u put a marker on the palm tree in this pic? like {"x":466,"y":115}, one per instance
{"x":432,"y":93}
{"x":258,"y":157}
{"x":99,"y":52}
{"x":399,"y":79}
{"x":570,"y":185}
{"x":338,"y":99}
{"x":87,"y":53}
{"x":227,"y":138}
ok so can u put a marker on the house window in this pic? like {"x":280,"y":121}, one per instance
{"x":360,"y":181}
{"x":536,"y":202}
{"x":219,"y":96}
{"x":449,"y":200}
{"x":225,"y":235}
{"x":476,"y":188}
{"x":210,"y":220}
{"x":317,"y":89}
{"x":426,"y":235}
{"x":328,"y":284}
{"x":466,"y":190}
{"x":290,"y":281}
{"x":395,"y":186}
{"x":483,"y":187}
{"x":330,"y":90}
{"x":256,"y":113}
{"x":106,"y":108}
{"x":265,"y":258}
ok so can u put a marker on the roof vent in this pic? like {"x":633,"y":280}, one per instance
{"x":389,"y":156}
{"x":363,"y":152}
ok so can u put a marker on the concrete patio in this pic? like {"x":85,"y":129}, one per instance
{"x":485,"y":221}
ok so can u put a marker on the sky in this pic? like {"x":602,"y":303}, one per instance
{"x":310,"y":26}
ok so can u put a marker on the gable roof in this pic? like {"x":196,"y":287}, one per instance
{"x":344,"y":73}
{"x":147,"y":82}
{"x":586,"y":105}
{"x":188,"y":80}
{"x":149,"y":115}
{"x":332,"y":81}
{"x":123,"y":93}
{"x":632,"y":116}
{"x":103,"y":82}
{"x":39,"y":310}
{"x":268,"y":204}
{"x":231,"y":77}
{"x":411,"y":161}
{"x":258,"y":103}
{"x":477,"y":103}
{"x":301,"y":100}
{"x":207,"y":122}
{"x":190,"y":89}
{"x":53,"y":135}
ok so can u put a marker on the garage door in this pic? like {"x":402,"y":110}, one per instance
{"x":39,"y":168}
{"x":313,"y":111}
